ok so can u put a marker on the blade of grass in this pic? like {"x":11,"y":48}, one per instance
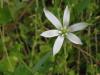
{"x":42,"y":61}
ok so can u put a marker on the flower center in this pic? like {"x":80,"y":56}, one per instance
{"x":63,"y":31}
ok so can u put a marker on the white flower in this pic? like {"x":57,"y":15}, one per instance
{"x":62,"y":31}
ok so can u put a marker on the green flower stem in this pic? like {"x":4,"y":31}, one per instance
{"x":78,"y":62}
{"x":65,"y":54}
{"x":89,"y":49}
{"x":35,"y":23}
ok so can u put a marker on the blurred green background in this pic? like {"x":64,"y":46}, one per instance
{"x":24,"y":52}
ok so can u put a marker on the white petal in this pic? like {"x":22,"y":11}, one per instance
{"x":73,"y":38}
{"x":57,"y":45}
{"x":53,"y":19}
{"x":78,"y":26}
{"x":50,"y":33}
{"x":66,"y":17}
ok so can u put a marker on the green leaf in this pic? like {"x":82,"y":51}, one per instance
{"x":82,"y":5}
{"x":42,"y":61}
{"x":98,"y":56}
{"x":21,"y":70}
{"x":71,"y":72}
{"x":91,"y":69}
{"x":5,"y":15}
{"x":15,"y":7}
{"x":8,"y":64}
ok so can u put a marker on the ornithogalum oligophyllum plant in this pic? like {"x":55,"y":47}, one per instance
{"x":63,"y":31}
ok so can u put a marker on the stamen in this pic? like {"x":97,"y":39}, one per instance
{"x":63,"y":32}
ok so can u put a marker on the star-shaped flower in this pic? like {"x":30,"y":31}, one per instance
{"x":64,"y":30}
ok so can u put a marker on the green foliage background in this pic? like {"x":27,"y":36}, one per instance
{"x":24,"y":52}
